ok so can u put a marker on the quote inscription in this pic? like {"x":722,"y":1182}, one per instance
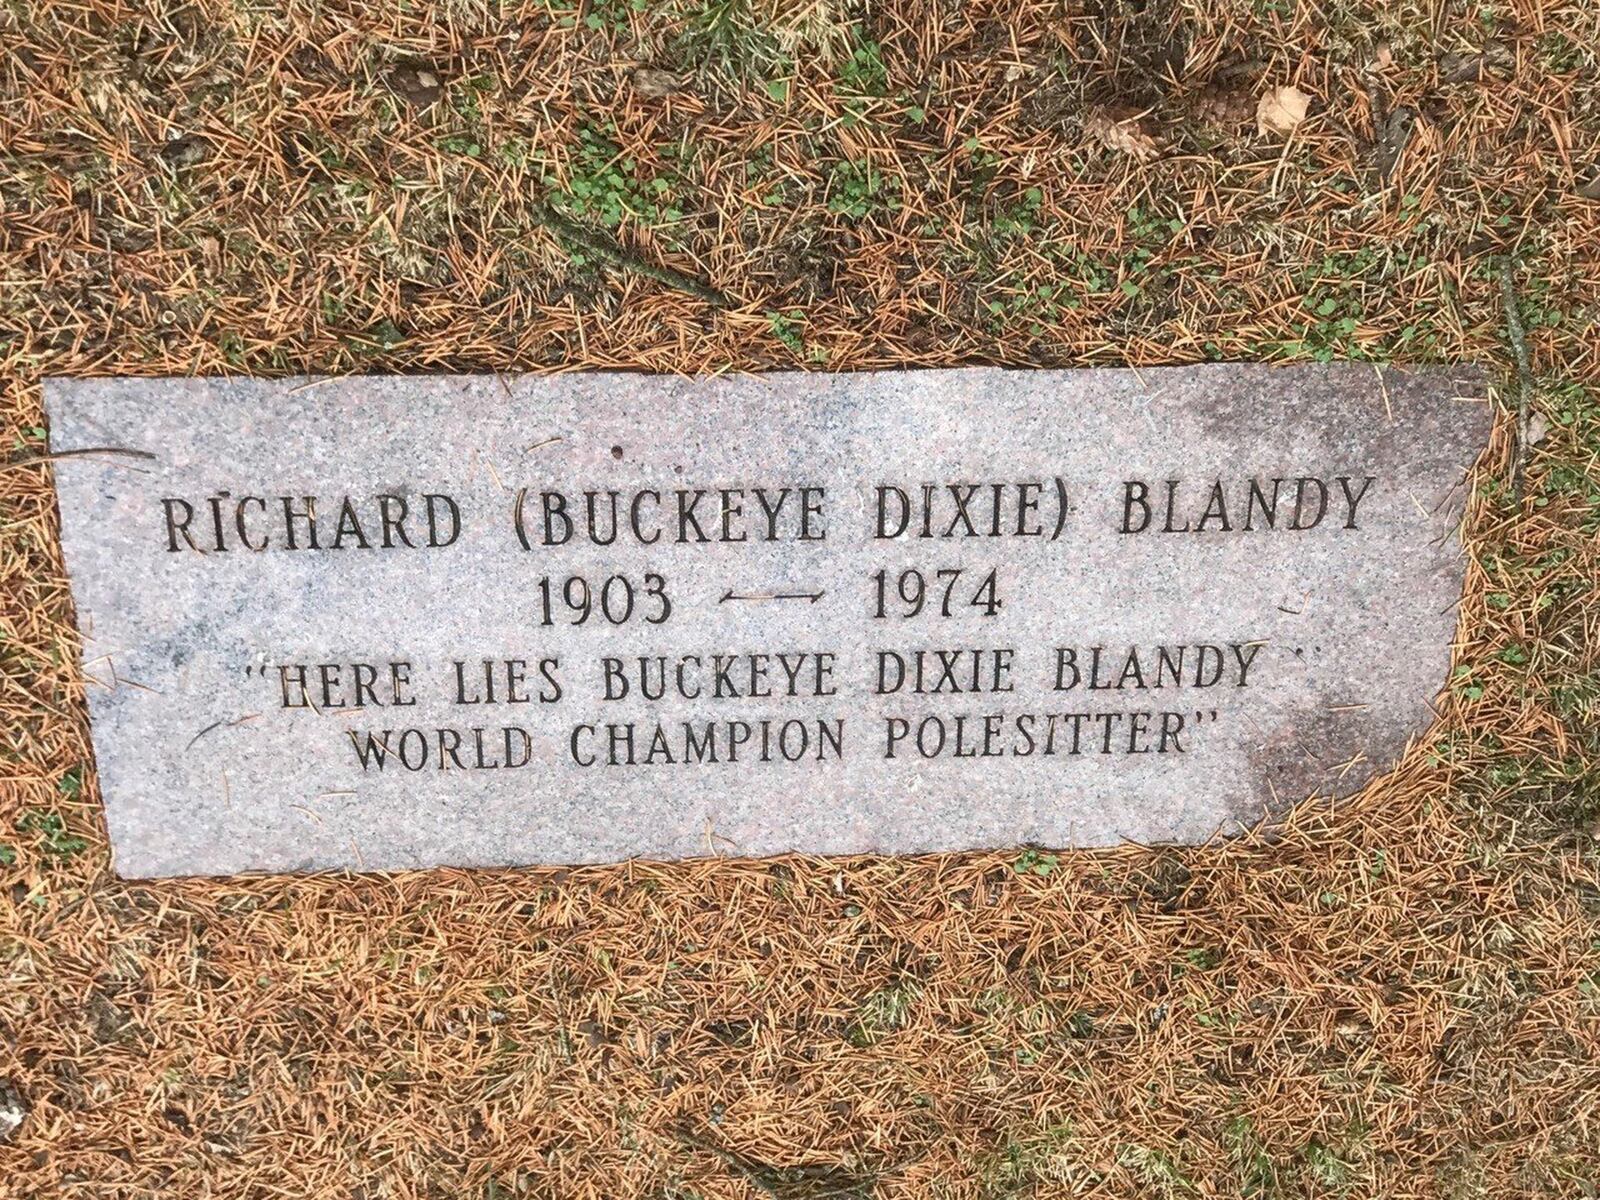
{"x":460,"y":620}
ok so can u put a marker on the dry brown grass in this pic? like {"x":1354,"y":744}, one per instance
{"x":1398,"y":998}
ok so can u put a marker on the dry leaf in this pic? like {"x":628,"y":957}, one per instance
{"x":1282,"y":109}
{"x":187,"y":150}
{"x":1118,"y":127}
{"x":653,"y":84}
{"x":417,"y":83}
{"x":13,"y":1110}
{"x":1495,"y":58}
{"x":210,"y":248}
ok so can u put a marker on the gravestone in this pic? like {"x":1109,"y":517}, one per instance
{"x":397,"y":622}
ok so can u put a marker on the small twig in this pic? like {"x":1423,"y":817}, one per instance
{"x":611,"y":252}
{"x":86,"y":452}
{"x":1518,"y":337}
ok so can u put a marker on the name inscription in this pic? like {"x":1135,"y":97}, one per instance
{"x":397,"y":622}
{"x":974,"y":510}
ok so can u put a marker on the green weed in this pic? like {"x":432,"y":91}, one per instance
{"x":1035,"y":862}
{"x":884,"y":1012}
{"x":1258,"y":1174}
{"x":858,"y":190}
{"x":786,"y":328}
{"x":1159,"y":1170}
{"x":602,"y":185}
{"x":51,"y":833}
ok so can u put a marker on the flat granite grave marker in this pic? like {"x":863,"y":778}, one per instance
{"x":399,"y":622}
